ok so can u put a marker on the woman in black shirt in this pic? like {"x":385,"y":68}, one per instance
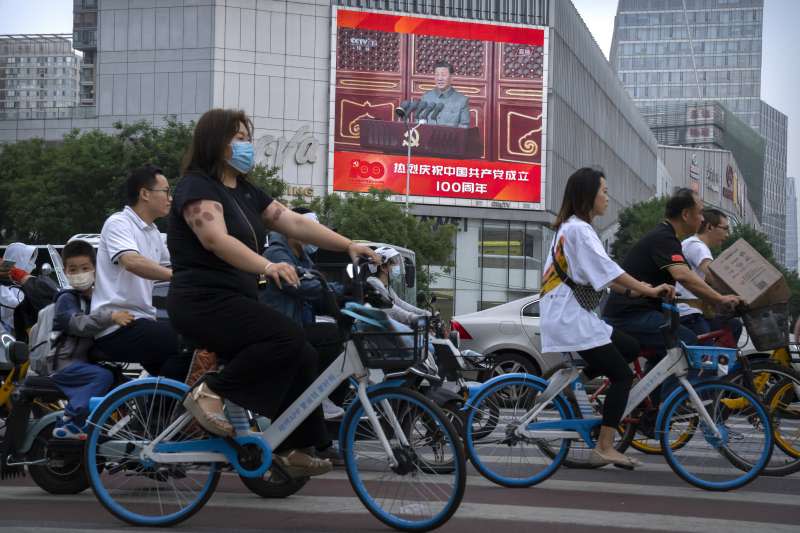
{"x":217,"y":228}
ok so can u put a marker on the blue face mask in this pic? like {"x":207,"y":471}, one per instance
{"x":310,"y":249}
{"x":242,"y":154}
{"x":395,"y":271}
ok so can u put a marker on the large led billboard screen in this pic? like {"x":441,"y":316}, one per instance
{"x":468,"y":98}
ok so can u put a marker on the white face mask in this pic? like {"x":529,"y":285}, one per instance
{"x":81,"y":281}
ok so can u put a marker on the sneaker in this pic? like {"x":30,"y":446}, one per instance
{"x":332,"y":454}
{"x":66,"y":429}
{"x":331,"y":410}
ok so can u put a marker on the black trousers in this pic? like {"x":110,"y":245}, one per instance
{"x":612,"y":360}
{"x":326,"y":340}
{"x":154,"y":345}
{"x":268,"y":363}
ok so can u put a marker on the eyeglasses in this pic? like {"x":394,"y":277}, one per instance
{"x":167,"y":190}
{"x":724,"y":228}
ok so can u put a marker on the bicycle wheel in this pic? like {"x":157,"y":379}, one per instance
{"x":782,"y":407}
{"x":145,"y":493}
{"x":503,"y":457}
{"x":410,"y":496}
{"x":783,"y":404}
{"x":717,"y":462}
{"x":638,"y":431}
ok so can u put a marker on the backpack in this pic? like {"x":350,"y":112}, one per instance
{"x":41,"y":342}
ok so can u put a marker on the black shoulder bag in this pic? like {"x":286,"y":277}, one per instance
{"x":587,"y":297}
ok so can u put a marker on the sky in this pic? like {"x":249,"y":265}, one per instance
{"x":780,"y":78}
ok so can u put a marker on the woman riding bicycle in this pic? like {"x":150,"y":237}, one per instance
{"x":217,"y":230}
{"x":570,"y":291}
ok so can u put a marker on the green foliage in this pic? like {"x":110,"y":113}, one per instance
{"x":634,"y":222}
{"x":372,"y":217}
{"x":50,"y":191}
{"x":267,"y":179}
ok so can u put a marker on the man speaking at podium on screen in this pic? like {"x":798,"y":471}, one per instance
{"x":456,"y":109}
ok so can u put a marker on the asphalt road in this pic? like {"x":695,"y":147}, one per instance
{"x":651,"y":498}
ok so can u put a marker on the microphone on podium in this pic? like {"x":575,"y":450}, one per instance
{"x":406,"y":108}
{"x":437,"y":109}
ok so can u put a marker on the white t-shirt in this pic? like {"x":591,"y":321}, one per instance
{"x":695,"y":251}
{"x":565,"y":325}
{"x":116,"y":289}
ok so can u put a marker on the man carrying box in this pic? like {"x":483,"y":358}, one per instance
{"x":697,"y":252}
{"x":658,"y":258}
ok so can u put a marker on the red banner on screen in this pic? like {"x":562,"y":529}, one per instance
{"x":442,"y":28}
{"x":468,"y":179}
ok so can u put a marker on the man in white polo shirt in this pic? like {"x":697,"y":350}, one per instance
{"x":131,"y":257}
{"x":697,"y":251}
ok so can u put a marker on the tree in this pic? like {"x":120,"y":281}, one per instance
{"x":372,"y":217}
{"x":50,"y":191}
{"x":634,"y":222}
{"x":267,"y":179}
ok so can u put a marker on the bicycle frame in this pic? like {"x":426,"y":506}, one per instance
{"x":214,"y":450}
{"x":674,"y":364}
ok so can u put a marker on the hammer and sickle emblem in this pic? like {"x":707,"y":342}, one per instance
{"x":411,"y":137}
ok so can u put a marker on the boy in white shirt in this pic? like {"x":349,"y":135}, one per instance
{"x":697,"y":252}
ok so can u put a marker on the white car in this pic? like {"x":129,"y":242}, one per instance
{"x":509,"y":333}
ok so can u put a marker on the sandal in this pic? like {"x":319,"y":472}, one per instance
{"x":598,"y":459}
{"x":299,"y":464}
{"x":207,"y":408}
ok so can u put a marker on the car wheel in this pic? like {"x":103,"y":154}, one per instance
{"x":511,"y":363}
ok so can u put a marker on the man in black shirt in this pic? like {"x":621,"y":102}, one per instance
{"x":658,"y":258}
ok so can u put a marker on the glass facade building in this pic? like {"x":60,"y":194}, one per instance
{"x":791,"y":224}
{"x":84,"y":38}
{"x":690,"y":50}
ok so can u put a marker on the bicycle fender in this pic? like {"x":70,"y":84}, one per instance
{"x":497,"y":379}
{"x":36,"y":427}
{"x":95,"y":401}
{"x":393,"y":383}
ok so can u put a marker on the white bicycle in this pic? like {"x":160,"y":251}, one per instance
{"x":721,"y":447}
{"x":149,"y":464}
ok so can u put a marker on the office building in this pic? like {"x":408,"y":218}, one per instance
{"x":670,"y":51}
{"x":38,"y":74}
{"x":792,"y":235}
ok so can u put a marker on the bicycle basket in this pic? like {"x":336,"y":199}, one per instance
{"x":389,"y":348}
{"x":709,"y":357}
{"x":768,"y":326}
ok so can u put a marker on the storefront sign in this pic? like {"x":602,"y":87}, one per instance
{"x":728,"y":190}
{"x":302,"y":146}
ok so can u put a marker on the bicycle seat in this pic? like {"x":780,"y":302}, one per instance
{"x":40,"y":388}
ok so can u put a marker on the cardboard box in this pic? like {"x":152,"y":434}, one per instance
{"x":742,"y":271}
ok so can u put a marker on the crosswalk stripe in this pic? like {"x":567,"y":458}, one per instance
{"x":631,"y":489}
{"x":515,"y":513}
